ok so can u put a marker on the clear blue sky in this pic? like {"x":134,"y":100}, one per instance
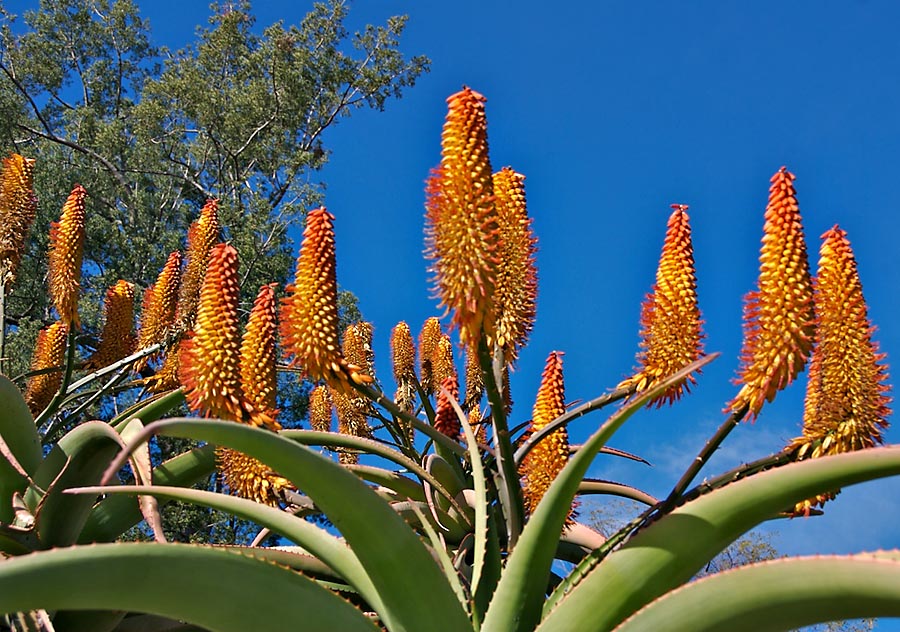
{"x":614,"y":110}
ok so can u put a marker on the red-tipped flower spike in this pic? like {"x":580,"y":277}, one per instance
{"x":209,"y":359}
{"x":516,"y":293}
{"x":258,"y":359}
{"x":547,"y":459}
{"x":429,"y":338}
{"x":49,"y":352}
{"x":160,"y":301}
{"x":462,"y":231}
{"x":18,"y":207}
{"x":670,"y":318}
{"x":320,"y":409}
{"x":846,"y":405}
{"x":117,"y":338}
{"x":202,"y":236}
{"x":446,"y":420}
{"x":779,"y":320}
{"x":309,"y":315}
{"x":66,"y":252}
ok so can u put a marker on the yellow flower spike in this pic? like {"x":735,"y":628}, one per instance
{"x":203,"y":234}
{"x":209,"y":361}
{"x":309,"y":314}
{"x":846,"y":405}
{"x":166,"y":377}
{"x":516,"y":292}
{"x":247,"y":477}
{"x":18,"y":207}
{"x":671,"y":336}
{"x":258,"y":359}
{"x":49,"y":351}
{"x":66,"y":253}
{"x":474,"y":381}
{"x":117,"y":338}
{"x":478,"y":425}
{"x":547,"y":459}
{"x":446,"y":420}
{"x":352,"y":408}
{"x":442,"y":365}
{"x":357,"y":346}
{"x":779,"y":319}
{"x":320,"y":409}
{"x":462,"y":230}
{"x":429,"y":338}
{"x":160,"y":301}
{"x":403,"y":360}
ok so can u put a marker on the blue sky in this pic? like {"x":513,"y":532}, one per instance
{"x":613,"y":111}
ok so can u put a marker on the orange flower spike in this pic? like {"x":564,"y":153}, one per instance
{"x":847,"y":403}
{"x":258,"y":359}
{"x":117,"y":339}
{"x":49,"y":351}
{"x":446,"y":420}
{"x":429,"y":338}
{"x":671,"y":336}
{"x":202,"y":236}
{"x":516,"y":292}
{"x":309,"y":314}
{"x":320,"y":407}
{"x":474,"y":382}
{"x":18,"y":207}
{"x":779,"y":319}
{"x":462,"y":234}
{"x":247,"y":477}
{"x":160,"y":301}
{"x":66,"y":253}
{"x":210,"y":359}
{"x":547,"y":459}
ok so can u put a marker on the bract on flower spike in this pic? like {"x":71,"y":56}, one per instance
{"x":671,"y":336}
{"x":516,"y":292}
{"x":462,"y":233}
{"x":117,"y":337}
{"x":309,"y":314}
{"x":202,"y":236}
{"x":49,"y":352}
{"x":210,"y":358}
{"x":547,"y":459}
{"x":18,"y":207}
{"x":846,"y":407}
{"x":779,"y":319}
{"x":66,"y":253}
{"x":258,"y":359}
{"x":429,"y":338}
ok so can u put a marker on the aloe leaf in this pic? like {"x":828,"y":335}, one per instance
{"x":174,"y":580}
{"x":401,"y":485}
{"x":670,"y":551}
{"x":150,"y":410}
{"x":786,"y":594}
{"x":79,"y":459}
{"x":143,"y":475}
{"x":87,"y":620}
{"x":594,"y":486}
{"x":393,"y":556}
{"x":19,"y":440}
{"x":115,"y":514}
{"x":517,"y":602}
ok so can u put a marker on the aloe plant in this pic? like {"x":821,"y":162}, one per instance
{"x":447,"y":506}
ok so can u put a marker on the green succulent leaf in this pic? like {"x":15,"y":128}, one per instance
{"x":19,"y":440}
{"x":174,"y":580}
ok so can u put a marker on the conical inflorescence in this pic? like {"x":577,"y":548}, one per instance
{"x":18,"y":207}
{"x":117,"y":337}
{"x":66,"y":254}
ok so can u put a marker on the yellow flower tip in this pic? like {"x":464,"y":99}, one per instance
{"x":446,"y":421}
{"x":210,"y":358}
{"x":247,"y":477}
{"x":320,"y":407}
{"x":160,"y":302}
{"x":49,"y":352}
{"x":429,"y":338}
{"x":846,"y":406}
{"x":671,"y":327}
{"x":203,"y":234}
{"x":516,"y":291}
{"x":462,"y":233}
{"x":779,"y":319}
{"x":258,"y":358}
{"x":547,"y":459}
{"x":117,"y":338}
{"x":66,"y":253}
{"x":18,"y":208}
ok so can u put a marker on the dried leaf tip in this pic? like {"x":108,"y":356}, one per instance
{"x":66,"y":253}
{"x":117,"y":337}
{"x":258,"y":359}
{"x":846,"y":407}
{"x":462,"y":233}
{"x":18,"y":207}
{"x":779,"y":319}
{"x":671,"y":327}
